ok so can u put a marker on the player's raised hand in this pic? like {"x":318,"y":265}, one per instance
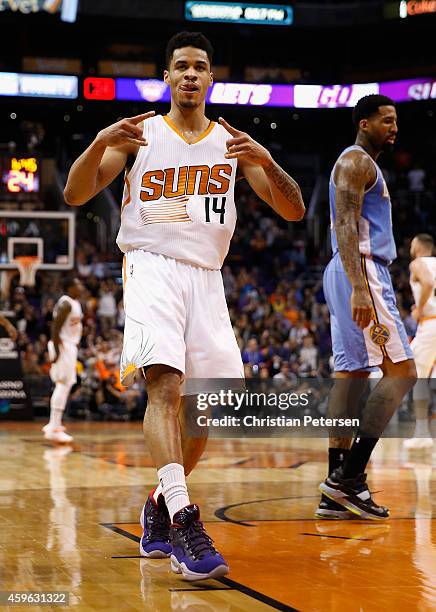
{"x":361,"y":307}
{"x":126,"y":131}
{"x":242,"y":147}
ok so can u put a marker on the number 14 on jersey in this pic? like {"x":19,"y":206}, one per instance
{"x":216,"y":208}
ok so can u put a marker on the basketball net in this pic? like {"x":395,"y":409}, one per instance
{"x":27,"y":266}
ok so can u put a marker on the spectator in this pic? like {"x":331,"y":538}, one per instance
{"x":107,"y":307}
{"x":285,"y":373}
{"x":251,"y":354}
{"x":114,"y":406}
{"x":309,"y":353}
{"x":416,"y":178}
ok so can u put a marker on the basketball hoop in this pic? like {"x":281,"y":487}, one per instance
{"x":27,"y":266}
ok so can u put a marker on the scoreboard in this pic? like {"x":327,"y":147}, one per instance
{"x":19,"y":175}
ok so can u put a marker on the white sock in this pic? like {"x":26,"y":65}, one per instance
{"x":55,"y":417}
{"x":58,"y":401}
{"x":421,"y":429}
{"x":157,"y":492}
{"x":172,"y":479}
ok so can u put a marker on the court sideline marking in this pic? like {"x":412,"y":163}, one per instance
{"x":228,"y":582}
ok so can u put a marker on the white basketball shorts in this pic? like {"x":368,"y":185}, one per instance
{"x":64,"y":370}
{"x":424,"y":350}
{"x":176,"y":315}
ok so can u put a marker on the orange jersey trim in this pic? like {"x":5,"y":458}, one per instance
{"x":175,"y":129}
{"x":422,"y":319}
{"x":124,"y":273}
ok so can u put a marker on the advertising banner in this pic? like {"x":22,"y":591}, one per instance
{"x":15,"y":402}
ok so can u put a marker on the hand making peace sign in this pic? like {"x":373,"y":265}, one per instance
{"x":125,"y":131}
{"x":244,"y":148}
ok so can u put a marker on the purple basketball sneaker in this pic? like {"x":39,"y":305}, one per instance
{"x":155,"y":521}
{"x":194,"y":555}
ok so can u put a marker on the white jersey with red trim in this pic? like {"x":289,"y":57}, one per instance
{"x":179,"y":197}
{"x":429,"y":309}
{"x":71,"y":330}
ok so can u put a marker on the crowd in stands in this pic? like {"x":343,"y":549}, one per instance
{"x":100,"y":394}
{"x":273,"y":285}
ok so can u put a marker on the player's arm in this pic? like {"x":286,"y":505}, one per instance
{"x":10,"y":329}
{"x":270,"y":182}
{"x":60,"y":318}
{"x":421,"y":274}
{"x":104,"y":159}
{"x":353,"y":172}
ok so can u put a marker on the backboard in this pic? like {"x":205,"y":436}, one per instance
{"x":50,"y":236}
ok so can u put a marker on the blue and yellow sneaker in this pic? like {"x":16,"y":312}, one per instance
{"x":193,"y":554}
{"x":155,"y":521}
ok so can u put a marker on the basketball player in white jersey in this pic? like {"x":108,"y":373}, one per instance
{"x":62,"y":348}
{"x":177,"y":220}
{"x":423,"y":284}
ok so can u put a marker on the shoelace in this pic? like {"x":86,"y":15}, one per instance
{"x":371,"y":493}
{"x":159,"y":527}
{"x":199,"y":543}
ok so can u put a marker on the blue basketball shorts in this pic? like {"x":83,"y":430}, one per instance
{"x":385,"y":336}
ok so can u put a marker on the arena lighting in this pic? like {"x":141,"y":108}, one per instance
{"x":232,"y":12}
{"x":408,"y":8}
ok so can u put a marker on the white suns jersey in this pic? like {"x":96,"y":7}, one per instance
{"x":71,"y":330}
{"x":179,"y":197}
{"x":430,"y":306}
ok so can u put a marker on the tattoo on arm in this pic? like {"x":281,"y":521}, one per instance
{"x":285,"y":184}
{"x":348,"y":203}
{"x":352,"y":174}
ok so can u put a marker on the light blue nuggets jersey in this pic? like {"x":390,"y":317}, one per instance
{"x":375,"y":224}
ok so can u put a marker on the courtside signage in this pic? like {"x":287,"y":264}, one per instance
{"x":331,"y":96}
{"x":235,"y":12}
{"x":38,"y":85}
{"x":98,"y":88}
{"x":409,"y":8}
{"x":337,"y":96}
{"x":299,"y":96}
{"x":241,"y":94}
{"x":68,"y":8}
{"x":244,"y":94}
{"x":250,"y":94}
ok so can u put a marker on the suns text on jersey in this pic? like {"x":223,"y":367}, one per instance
{"x":186,"y":180}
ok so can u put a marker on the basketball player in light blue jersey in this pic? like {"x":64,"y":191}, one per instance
{"x":366,"y":327}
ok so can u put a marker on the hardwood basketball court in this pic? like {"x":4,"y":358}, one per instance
{"x":70,"y":522}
